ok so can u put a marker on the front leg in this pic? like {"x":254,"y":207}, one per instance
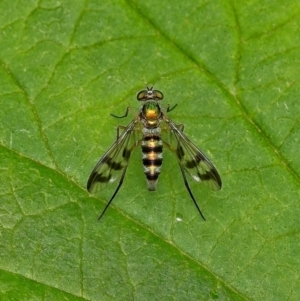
{"x":125,"y":115}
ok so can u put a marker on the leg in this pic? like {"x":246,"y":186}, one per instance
{"x":168,"y":108}
{"x":118,"y":130}
{"x":190,"y":192}
{"x":125,"y":115}
{"x":113,"y":196}
{"x":180,"y":127}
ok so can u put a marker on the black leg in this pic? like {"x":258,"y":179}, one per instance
{"x":168,"y":108}
{"x":125,"y":115}
{"x":190,"y":192}
{"x":113,"y":196}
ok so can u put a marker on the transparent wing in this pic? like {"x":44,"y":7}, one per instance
{"x":190,"y":158}
{"x":112,"y":166}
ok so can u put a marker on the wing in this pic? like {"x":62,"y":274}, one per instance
{"x":190,"y":158}
{"x":112,"y":166}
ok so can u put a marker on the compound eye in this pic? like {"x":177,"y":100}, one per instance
{"x":141,"y":95}
{"x":159,"y":95}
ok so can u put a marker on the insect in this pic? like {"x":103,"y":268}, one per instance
{"x":152,"y":130}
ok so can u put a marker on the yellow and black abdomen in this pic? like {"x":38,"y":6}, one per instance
{"x":152,"y":148}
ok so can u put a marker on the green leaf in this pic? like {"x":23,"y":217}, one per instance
{"x":233,"y":69}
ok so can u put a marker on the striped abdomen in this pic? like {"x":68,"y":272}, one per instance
{"x":152,"y":157}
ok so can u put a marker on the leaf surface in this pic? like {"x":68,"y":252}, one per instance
{"x":233,"y":69}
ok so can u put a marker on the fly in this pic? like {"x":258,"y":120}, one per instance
{"x":152,"y":130}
